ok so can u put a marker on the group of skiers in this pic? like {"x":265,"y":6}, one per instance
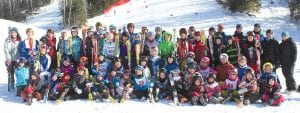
{"x":118,"y":65}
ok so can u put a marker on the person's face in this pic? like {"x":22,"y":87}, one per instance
{"x":271,"y":82}
{"x":33,"y":77}
{"x":220,"y":29}
{"x":256,"y":29}
{"x":118,"y":64}
{"x":211,"y":33}
{"x":143,"y":63}
{"x":63,"y":34}
{"x":167,"y":38}
{"x":144,"y":30}
{"x":268,"y":69}
{"x":204,"y":64}
{"x":170,"y":60}
{"x":54,"y":78}
{"x":242,"y":62}
{"x":191,"y":31}
{"x":66,"y":63}
{"x":29,"y":33}
{"x":218,"y":41}
{"x":99,"y":77}
{"x":101,"y":58}
{"x":43,"y":50}
{"x":198,"y":37}
{"x":154,"y":52}
{"x":197,"y":83}
{"x":14,"y":34}
{"x":284,"y":37}
{"x":239,"y":30}
{"x":81,"y":72}
{"x":162,"y":75}
{"x":250,"y":38}
{"x":74,"y":33}
{"x":249,"y":76}
{"x":21,"y":64}
{"x":229,"y":41}
{"x":269,"y":35}
{"x":50,"y":34}
{"x":223,"y":60}
{"x":158,"y":32}
{"x":110,"y":37}
{"x":98,"y":27}
{"x":183,"y":35}
{"x":113,"y":73}
{"x":90,"y":34}
{"x":191,"y":70}
{"x":210,"y":79}
{"x":130,"y":29}
{"x":151,"y":38}
{"x":139,"y":72}
{"x":124,"y":38}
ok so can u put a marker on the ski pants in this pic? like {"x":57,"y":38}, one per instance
{"x":288,"y":72}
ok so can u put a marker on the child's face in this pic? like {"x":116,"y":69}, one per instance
{"x":242,"y":62}
{"x":239,"y":30}
{"x":81,"y":72}
{"x":268,"y":69}
{"x":191,"y":70}
{"x":249,"y":76}
{"x":29,"y":33}
{"x":197,"y":82}
{"x":198,"y":37}
{"x":218,"y":41}
{"x":143,"y":63}
{"x":101,"y":58}
{"x":54,"y":78}
{"x":33,"y":77}
{"x":74,"y":33}
{"x":43,"y":51}
{"x":167,"y":38}
{"x":126,"y":76}
{"x":183,"y":35}
{"x":211,"y":80}
{"x":99,"y":77}
{"x":139,"y":72}
{"x":204,"y":64}
{"x":162,"y":75}
{"x":154,"y":52}
{"x":229,"y":41}
{"x":125,"y":38}
{"x":90,"y":34}
{"x":271,"y":82}
{"x":223,"y":61}
{"x":170,"y":60}
{"x":21,"y":64}
{"x":113,"y":73}
{"x":250,"y":38}
{"x":118,"y":64}
{"x":66,"y":63}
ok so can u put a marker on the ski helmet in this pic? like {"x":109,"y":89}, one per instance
{"x":195,"y":78}
{"x":224,"y":56}
{"x":163,"y":70}
{"x":22,"y":60}
{"x":257,"y":25}
{"x":211,"y":75}
{"x":191,"y":55}
{"x":74,"y":29}
{"x":139,"y":68}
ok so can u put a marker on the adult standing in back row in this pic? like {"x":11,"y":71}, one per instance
{"x":288,"y":57}
{"x":270,"y":48}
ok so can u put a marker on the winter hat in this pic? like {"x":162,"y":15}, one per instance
{"x":158,"y":29}
{"x":163,"y":70}
{"x":224,"y":56}
{"x":83,"y":59}
{"x":285,"y":33}
{"x":269,"y":31}
{"x":139,"y":68}
{"x":212,"y":29}
{"x":205,"y":59}
{"x":172,"y":55}
{"x":150,"y":33}
{"x":267,"y":64}
{"x":238,"y":25}
{"x":34,"y":73}
{"x":219,"y":36}
{"x":229,"y":37}
{"x":211,"y":75}
{"x":250,"y":33}
{"x":175,"y":71}
{"x":22,"y":59}
{"x":257,"y":25}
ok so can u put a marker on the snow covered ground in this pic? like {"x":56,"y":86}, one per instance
{"x":200,"y":13}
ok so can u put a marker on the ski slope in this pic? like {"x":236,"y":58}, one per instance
{"x":200,"y":13}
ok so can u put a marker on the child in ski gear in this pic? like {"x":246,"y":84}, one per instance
{"x":103,"y":66}
{"x":191,"y":33}
{"x":89,"y":46}
{"x":79,"y":81}
{"x":197,"y":46}
{"x":166,"y":46}
{"x":217,"y":50}
{"x":210,"y":42}
{"x":242,"y":67}
{"x":251,"y":50}
{"x":272,"y":94}
{"x":190,"y":72}
{"x":222,"y":33}
{"x":126,"y":86}
{"x":11,"y":52}
{"x":171,"y":63}
{"x":239,"y":32}
{"x":117,"y":66}
{"x":223,"y":67}
{"x":53,"y":86}
{"x":258,"y":32}
{"x":125,"y":50}
{"x":43,"y":65}
{"x":100,"y":90}
{"x":63,"y":47}
{"x":144,"y":64}
{"x":100,"y":36}
{"x":135,"y":50}
{"x":109,"y":49}
{"x":267,"y":72}
{"x":213,"y":90}
{"x":232,"y":50}
{"x":204,"y":68}
{"x":158,"y":34}
{"x":163,"y":86}
{"x":50,"y":41}
{"x":248,"y":88}
{"x":197,"y":92}
{"x":230,"y":87}
{"x":150,"y":42}
{"x":182,"y":47}
{"x":288,"y":57}
{"x":141,"y":84}
{"x":180,"y":85}
{"x":66,"y":67}
{"x":83,"y":61}
{"x":76,"y":46}
{"x":155,"y":61}
{"x":22,"y":75}
{"x":33,"y":89}
{"x":270,"y":47}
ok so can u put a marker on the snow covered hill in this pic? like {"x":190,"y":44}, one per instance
{"x":200,"y":13}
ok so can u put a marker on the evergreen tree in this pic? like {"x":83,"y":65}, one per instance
{"x":294,"y":6}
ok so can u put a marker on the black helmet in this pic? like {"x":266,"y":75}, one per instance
{"x":211,"y":75}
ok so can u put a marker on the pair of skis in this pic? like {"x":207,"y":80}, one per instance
{"x":174,"y":91}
